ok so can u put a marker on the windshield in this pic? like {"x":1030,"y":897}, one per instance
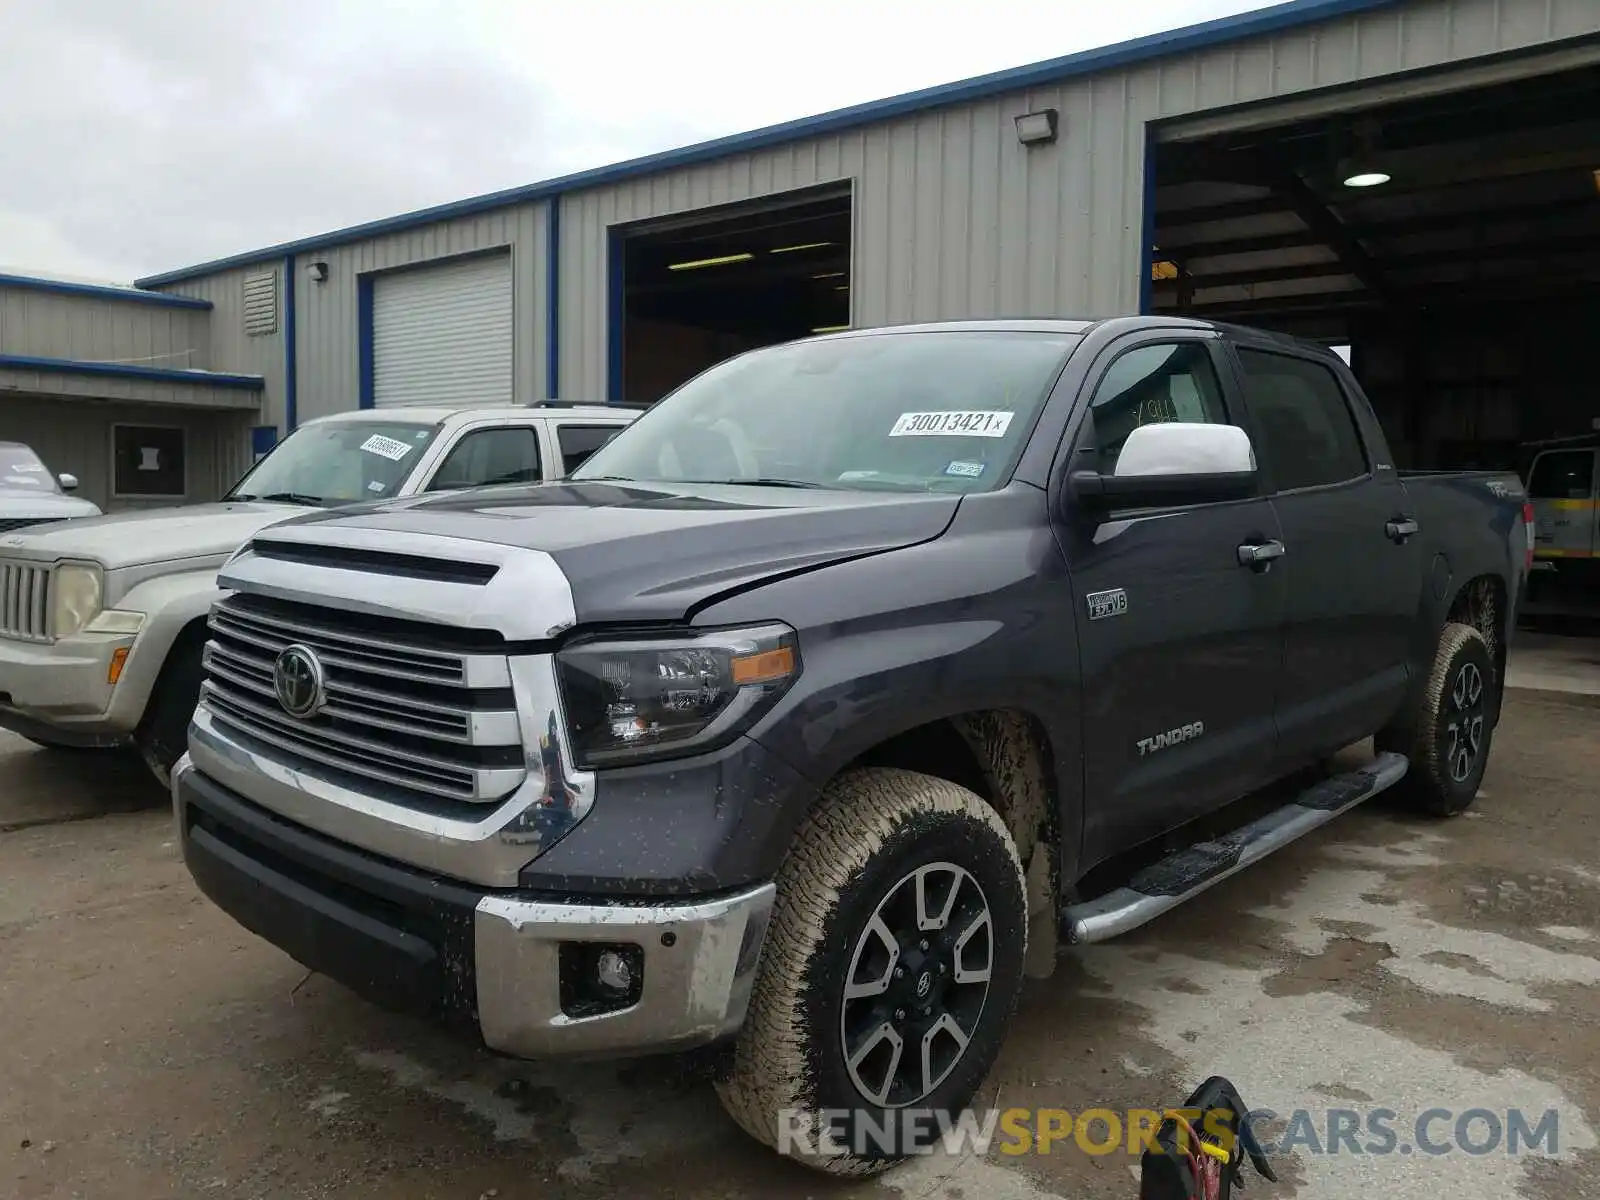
{"x":904,"y":412}
{"x":21,"y":471}
{"x":337,"y":462}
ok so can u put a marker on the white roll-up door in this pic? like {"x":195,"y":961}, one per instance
{"x":442,"y":334}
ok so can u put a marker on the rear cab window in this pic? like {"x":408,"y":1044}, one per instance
{"x":578,"y":442}
{"x":1303,"y":420}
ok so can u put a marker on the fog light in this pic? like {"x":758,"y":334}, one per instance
{"x":613,"y":971}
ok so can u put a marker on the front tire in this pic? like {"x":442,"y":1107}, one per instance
{"x":892,"y":964}
{"x":1449,"y":736}
{"x":163,"y":733}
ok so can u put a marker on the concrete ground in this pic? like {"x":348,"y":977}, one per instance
{"x":150,"y":1048}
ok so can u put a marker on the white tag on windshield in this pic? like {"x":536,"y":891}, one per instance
{"x":386,"y":447}
{"x":959,"y":423}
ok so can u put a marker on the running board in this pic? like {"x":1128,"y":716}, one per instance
{"x":1178,"y":877}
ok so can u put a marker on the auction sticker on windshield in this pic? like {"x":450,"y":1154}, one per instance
{"x":386,"y":446}
{"x":958,"y":423}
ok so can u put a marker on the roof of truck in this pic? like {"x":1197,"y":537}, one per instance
{"x":432,"y":414}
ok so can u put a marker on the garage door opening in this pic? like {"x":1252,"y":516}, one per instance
{"x":702,"y":289}
{"x":1451,"y":242}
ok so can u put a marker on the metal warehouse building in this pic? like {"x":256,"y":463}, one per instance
{"x":1414,"y":178}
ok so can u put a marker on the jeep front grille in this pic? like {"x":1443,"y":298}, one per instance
{"x":417,"y":723}
{"x":24,"y":601}
{"x":7,"y":524}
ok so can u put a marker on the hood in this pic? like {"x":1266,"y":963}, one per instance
{"x":18,"y":504}
{"x":141,"y":537}
{"x":655,"y":551}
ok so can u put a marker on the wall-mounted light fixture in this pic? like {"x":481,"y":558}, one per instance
{"x":1038,"y":128}
{"x":318,"y":271}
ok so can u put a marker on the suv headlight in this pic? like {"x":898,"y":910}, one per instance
{"x":632,"y":699}
{"x":78,"y":591}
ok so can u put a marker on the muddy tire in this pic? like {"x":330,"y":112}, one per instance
{"x":1449,"y":736}
{"x":163,"y":732}
{"x":889,"y":862}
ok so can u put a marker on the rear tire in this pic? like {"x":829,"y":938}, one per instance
{"x":906,"y":892}
{"x":1449,"y":737}
{"x":163,"y":733}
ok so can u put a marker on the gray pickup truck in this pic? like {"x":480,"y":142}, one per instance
{"x":774,"y":727}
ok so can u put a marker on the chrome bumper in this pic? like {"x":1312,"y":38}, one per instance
{"x":699,"y":956}
{"x":699,"y":966}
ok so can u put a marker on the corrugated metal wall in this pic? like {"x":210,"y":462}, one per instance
{"x":97,"y":329}
{"x":326,"y":319}
{"x":955,"y":218}
{"x":231,"y":348}
{"x":76,"y":437}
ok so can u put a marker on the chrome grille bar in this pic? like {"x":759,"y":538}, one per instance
{"x":24,"y":601}
{"x":436,"y":724}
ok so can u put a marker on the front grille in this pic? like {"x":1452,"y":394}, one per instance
{"x":24,"y":601}
{"x":422,"y":724}
{"x":7,"y":524}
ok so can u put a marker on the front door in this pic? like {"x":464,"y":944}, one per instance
{"x":1352,"y":560}
{"x":1180,"y":644}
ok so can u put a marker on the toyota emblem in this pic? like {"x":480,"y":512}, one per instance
{"x":298,"y":679}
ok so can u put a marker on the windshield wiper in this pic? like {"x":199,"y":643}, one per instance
{"x":284,"y":498}
{"x":784,"y":483}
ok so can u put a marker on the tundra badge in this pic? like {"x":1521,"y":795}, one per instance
{"x":1172,"y":737}
{"x":1112,"y":603}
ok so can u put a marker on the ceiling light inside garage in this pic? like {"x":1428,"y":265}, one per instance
{"x":719,"y":261}
{"x":830,"y":329}
{"x":1357,"y":174}
{"x":801,"y":246}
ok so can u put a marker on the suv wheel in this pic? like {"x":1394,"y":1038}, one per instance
{"x":892,"y":964}
{"x":163,"y":732}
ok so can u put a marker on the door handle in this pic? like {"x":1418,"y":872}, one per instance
{"x":1259,"y":556}
{"x":1400,"y":528}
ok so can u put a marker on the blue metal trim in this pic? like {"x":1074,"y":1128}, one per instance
{"x":101,"y":292}
{"x":552,"y":299}
{"x":1279,"y":18}
{"x":615,"y":314}
{"x":364,"y":361}
{"x":1147,"y":224}
{"x":291,"y":350}
{"x":73,"y":366}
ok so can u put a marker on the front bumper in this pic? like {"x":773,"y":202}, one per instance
{"x":501,"y":962}
{"x":61,"y":690}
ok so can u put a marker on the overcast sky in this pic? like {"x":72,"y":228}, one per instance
{"x":142,"y":135}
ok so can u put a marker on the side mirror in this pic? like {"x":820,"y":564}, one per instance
{"x":69,"y":483}
{"x":1171,"y":464}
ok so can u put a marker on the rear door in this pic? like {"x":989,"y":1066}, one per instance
{"x":1180,"y":644}
{"x":1562,"y":489}
{"x":1352,"y":558}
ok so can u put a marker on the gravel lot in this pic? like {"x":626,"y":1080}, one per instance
{"x":152,"y":1048}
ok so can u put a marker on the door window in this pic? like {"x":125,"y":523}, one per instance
{"x":1562,"y":475}
{"x":509,"y":454}
{"x":579,"y":441}
{"x":1308,"y":433}
{"x":1157,"y":384}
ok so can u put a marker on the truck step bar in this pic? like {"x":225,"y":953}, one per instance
{"x":1178,"y":877}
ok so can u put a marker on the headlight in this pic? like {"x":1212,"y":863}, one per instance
{"x":77,"y":598}
{"x":633,"y":699}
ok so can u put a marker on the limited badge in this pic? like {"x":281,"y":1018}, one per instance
{"x":1111,"y":603}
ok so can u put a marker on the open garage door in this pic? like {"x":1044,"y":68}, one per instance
{"x":703,"y":287}
{"x":442,"y":334}
{"x":1453,"y":242}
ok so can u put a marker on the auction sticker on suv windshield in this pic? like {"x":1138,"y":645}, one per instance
{"x":959,"y":423}
{"x":386,"y":446}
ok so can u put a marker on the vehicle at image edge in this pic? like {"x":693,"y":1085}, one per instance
{"x":1562,"y":476}
{"x":747,"y":735}
{"x":102,"y":621}
{"x":30,"y":495}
